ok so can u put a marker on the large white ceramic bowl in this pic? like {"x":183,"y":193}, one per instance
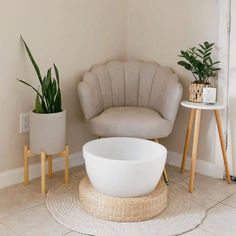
{"x":124,"y":167}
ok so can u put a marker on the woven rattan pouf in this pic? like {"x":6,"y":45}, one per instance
{"x":122,"y":209}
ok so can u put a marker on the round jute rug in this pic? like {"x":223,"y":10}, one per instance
{"x":183,"y":213}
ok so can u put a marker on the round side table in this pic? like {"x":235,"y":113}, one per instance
{"x":195,"y":115}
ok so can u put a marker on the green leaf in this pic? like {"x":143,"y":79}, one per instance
{"x":22,"y":81}
{"x":50,"y":96}
{"x":186,"y":65}
{"x":199,"y":55}
{"x":33,"y":61}
{"x":216,"y":69}
{"x":206,"y":44}
{"x":58,"y":102}
{"x":211,"y":45}
{"x":57,"y":74}
{"x":49,"y":73}
{"x":202,"y":47}
{"x":216,"y":62}
{"x":207,"y":55}
{"x":54,"y":89}
{"x":46,"y":82}
{"x":199,"y":50}
{"x":38,"y":106}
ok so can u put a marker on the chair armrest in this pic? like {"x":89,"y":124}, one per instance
{"x":89,"y":92}
{"x":171,"y":99}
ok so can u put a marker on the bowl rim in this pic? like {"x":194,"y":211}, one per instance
{"x":123,"y":161}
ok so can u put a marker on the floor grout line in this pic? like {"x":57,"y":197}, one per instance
{"x":67,"y":233}
{"x":10,"y":229}
{"x":221,"y":202}
{"x":21,"y":211}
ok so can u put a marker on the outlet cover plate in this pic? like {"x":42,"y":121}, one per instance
{"x":24,"y":122}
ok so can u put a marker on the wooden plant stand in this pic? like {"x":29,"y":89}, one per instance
{"x":44,"y":157}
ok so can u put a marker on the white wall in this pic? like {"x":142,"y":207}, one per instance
{"x":73,"y":34}
{"x":158,"y":30}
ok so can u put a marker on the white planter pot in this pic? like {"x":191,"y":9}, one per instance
{"x":47,"y":132}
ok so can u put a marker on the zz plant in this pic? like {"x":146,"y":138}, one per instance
{"x":48,"y":95}
{"x":199,"y":62}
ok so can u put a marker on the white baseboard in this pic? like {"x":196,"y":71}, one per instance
{"x":202,"y":167}
{"x":16,"y":176}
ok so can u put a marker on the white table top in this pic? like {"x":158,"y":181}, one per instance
{"x":202,"y":106}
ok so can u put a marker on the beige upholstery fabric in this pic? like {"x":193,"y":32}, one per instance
{"x":128,"y":86}
{"x":137,"y":122}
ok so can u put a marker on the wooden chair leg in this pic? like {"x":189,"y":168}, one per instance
{"x":165,"y":176}
{"x":50,"y":166}
{"x":26,"y":165}
{"x":223,"y":148}
{"x":194,"y":150}
{"x":187,"y":139}
{"x":66,"y":156}
{"x":43,"y":172}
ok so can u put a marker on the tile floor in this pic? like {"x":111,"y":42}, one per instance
{"x":23,"y":211}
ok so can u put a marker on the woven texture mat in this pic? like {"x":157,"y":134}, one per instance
{"x":183,"y":213}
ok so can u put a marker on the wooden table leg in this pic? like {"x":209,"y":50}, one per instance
{"x":26,"y":166}
{"x":43,"y":162}
{"x":66,"y":164}
{"x":187,"y":139}
{"x":194,"y":150}
{"x":50,"y":166}
{"x":223,"y":148}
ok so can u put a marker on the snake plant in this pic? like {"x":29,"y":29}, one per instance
{"x":48,"y":95}
{"x":199,"y":62}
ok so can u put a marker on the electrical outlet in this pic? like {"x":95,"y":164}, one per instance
{"x":24,"y":122}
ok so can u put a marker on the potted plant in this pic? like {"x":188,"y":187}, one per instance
{"x":48,"y":119}
{"x":199,"y":62}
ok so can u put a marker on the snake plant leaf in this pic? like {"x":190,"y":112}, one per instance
{"x":58,"y":101}
{"x":44,"y":106}
{"x":38,"y":106}
{"x":57,"y":74}
{"x":33,"y":62}
{"x":49,"y":77}
{"x":22,"y":81}
{"x":54,"y":88}
{"x":50,"y":96}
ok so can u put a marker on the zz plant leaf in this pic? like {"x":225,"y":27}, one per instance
{"x":199,"y":62}
{"x":48,"y":96}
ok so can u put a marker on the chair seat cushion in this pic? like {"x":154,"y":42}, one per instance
{"x":130,"y":121}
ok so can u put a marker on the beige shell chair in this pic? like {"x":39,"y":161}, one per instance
{"x":131,"y":99}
